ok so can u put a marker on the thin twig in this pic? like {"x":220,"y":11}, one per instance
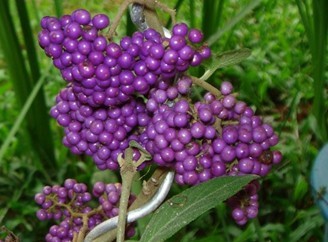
{"x":206,"y":86}
{"x":142,"y":201}
{"x":128,"y":170}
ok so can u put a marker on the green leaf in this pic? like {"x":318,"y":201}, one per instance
{"x":211,"y":17}
{"x":303,"y":230}
{"x":21,"y":117}
{"x":24,"y":74}
{"x":316,"y":28}
{"x":224,"y":59}
{"x":301,"y":189}
{"x":58,"y":7}
{"x":185,"y":207}
{"x":236,"y":19}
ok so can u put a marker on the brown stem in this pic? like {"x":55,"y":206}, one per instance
{"x":84,"y":229}
{"x":124,"y":5}
{"x":127,"y":180}
{"x":128,"y":169}
{"x":206,"y":86}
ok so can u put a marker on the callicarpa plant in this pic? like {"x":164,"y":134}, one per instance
{"x":128,"y":104}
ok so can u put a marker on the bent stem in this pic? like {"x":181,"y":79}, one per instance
{"x":127,"y":178}
{"x":206,"y":86}
{"x":128,"y":171}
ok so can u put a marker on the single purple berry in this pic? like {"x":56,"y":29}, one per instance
{"x":81,"y":16}
{"x":180,"y":29}
{"x":100,"y":21}
{"x":226,"y":88}
{"x":195,"y":36}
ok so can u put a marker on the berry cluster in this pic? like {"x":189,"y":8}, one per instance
{"x":70,"y":205}
{"x":210,"y":138}
{"x":217,"y":136}
{"x":102,"y":133}
{"x":138,"y":90}
{"x":104,"y":73}
{"x":245,"y":203}
{"x":100,"y":109}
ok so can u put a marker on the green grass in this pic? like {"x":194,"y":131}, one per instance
{"x":283,"y":80}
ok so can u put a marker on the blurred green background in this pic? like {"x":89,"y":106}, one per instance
{"x":284,"y":80}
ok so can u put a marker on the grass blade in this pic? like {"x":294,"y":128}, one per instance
{"x":236,"y":19}
{"x":14,"y":58}
{"x":212,"y":14}
{"x":192,"y":13}
{"x":320,"y":20}
{"x":130,"y":27}
{"x":307,"y":20}
{"x":24,"y":80}
{"x":58,"y":7}
{"x":40,"y":112}
{"x":316,"y":29}
{"x":21,"y":117}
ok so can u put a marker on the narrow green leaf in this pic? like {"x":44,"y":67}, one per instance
{"x":192,"y":13}
{"x":177,"y":6}
{"x":320,"y":38}
{"x":211,"y":17}
{"x":24,"y":79}
{"x":185,"y":207}
{"x":308,"y":224}
{"x":39,"y":118}
{"x":21,"y":117}
{"x":303,"y":9}
{"x":226,"y":59}
{"x":130,"y":27}
{"x":236,"y":19}
{"x":58,"y":7}
{"x":13,"y":55}
{"x":316,"y":28}
{"x":301,"y":189}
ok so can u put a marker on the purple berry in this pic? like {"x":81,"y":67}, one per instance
{"x":81,"y":16}
{"x":195,"y":36}
{"x":100,"y":21}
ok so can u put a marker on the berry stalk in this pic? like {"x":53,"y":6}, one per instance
{"x":208,"y":87}
{"x":127,"y":179}
{"x":150,"y":187}
{"x":128,"y":169}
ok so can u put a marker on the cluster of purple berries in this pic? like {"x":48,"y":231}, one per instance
{"x":104,"y":73}
{"x":102,"y":133}
{"x":214,"y":137}
{"x":245,"y":203}
{"x":217,"y":136}
{"x":100,"y":109}
{"x":68,"y":204}
{"x":138,"y":90}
